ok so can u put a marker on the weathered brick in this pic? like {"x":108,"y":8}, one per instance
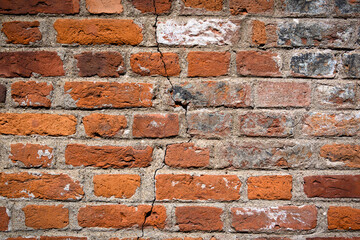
{"x":185,"y":238}
{"x":98,"y":31}
{"x":209,"y":124}
{"x":108,"y":156}
{"x":32,"y":93}
{"x":150,"y":64}
{"x":243,"y":7}
{"x":186,"y":155}
{"x":283,"y":94}
{"x":315,"y":65}
{"x":313,"y":7}
{"x":255,"y":63}
{"x":347,"y":7}
{"x":46,"y":217}
{"x":250,"y":155}
{"x":4,"y":219}
{"x":315,"y":34}
{"x":349,"y":154}
{"x":351,"y":65}
{"x":101,"y":6}
{"x":39,"y":186}
{"x":334,"y":238}
{"x":63,"y":238}
{"x":208,"y":5}
{"x":18,"y":32}
{"x":102,"y":64}
{"x":152,"y":6}
{"x":213,"y":94}
{"x":39,"y":6}
{"x":2,"y":93}
{"x":197,"y":32}
{"x":274,"y":218}
{"x":37,"y":123}
{"x":109,"y":94}
{"x":332,"y":186}
{"x":266,"y":124}
{"x":106,"y":216}
{"x":197,"y":218}
{"x":155,"y":125}
{"x":25,"y":64}
{"x":331,"y":124}
{"x":343,"y":218}
{"x":335,"y":95}
{"x":101,"y":125}
{"x":116,"y":185}
{"x":208,"y":64}
{"x":258,"y":36}
{"x":205,"y":187}
{"x":270,"y":187}
{"x":32,"y":155}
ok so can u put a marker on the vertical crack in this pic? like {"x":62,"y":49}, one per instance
{"x":183,"y":104}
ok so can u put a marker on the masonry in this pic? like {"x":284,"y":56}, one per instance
{"x":179,"y":120}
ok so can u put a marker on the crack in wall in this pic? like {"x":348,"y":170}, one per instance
{"x":183,"y":104}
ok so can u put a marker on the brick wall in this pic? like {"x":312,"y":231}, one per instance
{"x":179,"y":119}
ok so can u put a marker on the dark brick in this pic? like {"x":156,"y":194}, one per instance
{"x":39,"y":6}
{"x":316,"y":65}
{"x":351,"y":64}
{"x":103,"y":64}
{"x":307,"y":7}
{"x":2,"y":93}
{"x":305,"y":33}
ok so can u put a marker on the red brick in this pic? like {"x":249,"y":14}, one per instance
{"x":209,"y":124}
{"x":152,"y":6}
{"x":39,"y":186}
{"x":349,"y":154}
{"x":331,"y":124}
{"x":108,"y":156}
{"x":208,"y":64}
{"x":101,"y":6}
{"x":343,"y":218}
{"x":37,"y":123}
{"x":101,"y":125}
{"x":283,"y":94}
{"x":332,"y":186}
{"x":32,"y":155}
{"x":150,"y":64}
{"x":186,"y":155}
{"x":266,"y":124}
{"x":32,"y":94}
{"x":25,"y":64}
{"x":208,"y":5}
{"x":212,"y":94}
{"x":243,"y":7}
{"x":254,"y":63}
{"x":22,"y":32}
{"x":98,"y":31}
{"x":196,"y":218}
{"x":274,"y":218}
{"x":258,"y":36}
{"x":102,"y":64}
{"x":109,"y":94}
{"x":270,"y":187}
{"x":117,"y":185}
{"x":107,"y":216}
{"x":22,"y":238}
{"x":205,"y":187}
{"x":46,"y":217}
{"x":155,"y":125}
{"x":63,"y":238}
{"x":39,"y":6}
{"x":4,"y":219}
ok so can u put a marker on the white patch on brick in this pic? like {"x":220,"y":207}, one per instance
{"x":196,"y":32}
{"x":45,"y":153}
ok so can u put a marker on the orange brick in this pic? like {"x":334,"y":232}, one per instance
{"x":32,"y":94}
{"x":117,"y":185}
{"x":185,"y":155}
{"x":156,"y":125}
{"x":101,"y":125}
{"x":208,"y":64}
{"x":343,"y":218}
{"x":270,"y":187}
{"x":22,"y":32}
{"x":46,"y":217}
{"x":196,"y":218}
{"x":32,"y":155}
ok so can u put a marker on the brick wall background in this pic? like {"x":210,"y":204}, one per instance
{"x":183,"y":119}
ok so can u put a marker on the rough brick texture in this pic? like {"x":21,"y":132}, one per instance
{"x":179,"y":119}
